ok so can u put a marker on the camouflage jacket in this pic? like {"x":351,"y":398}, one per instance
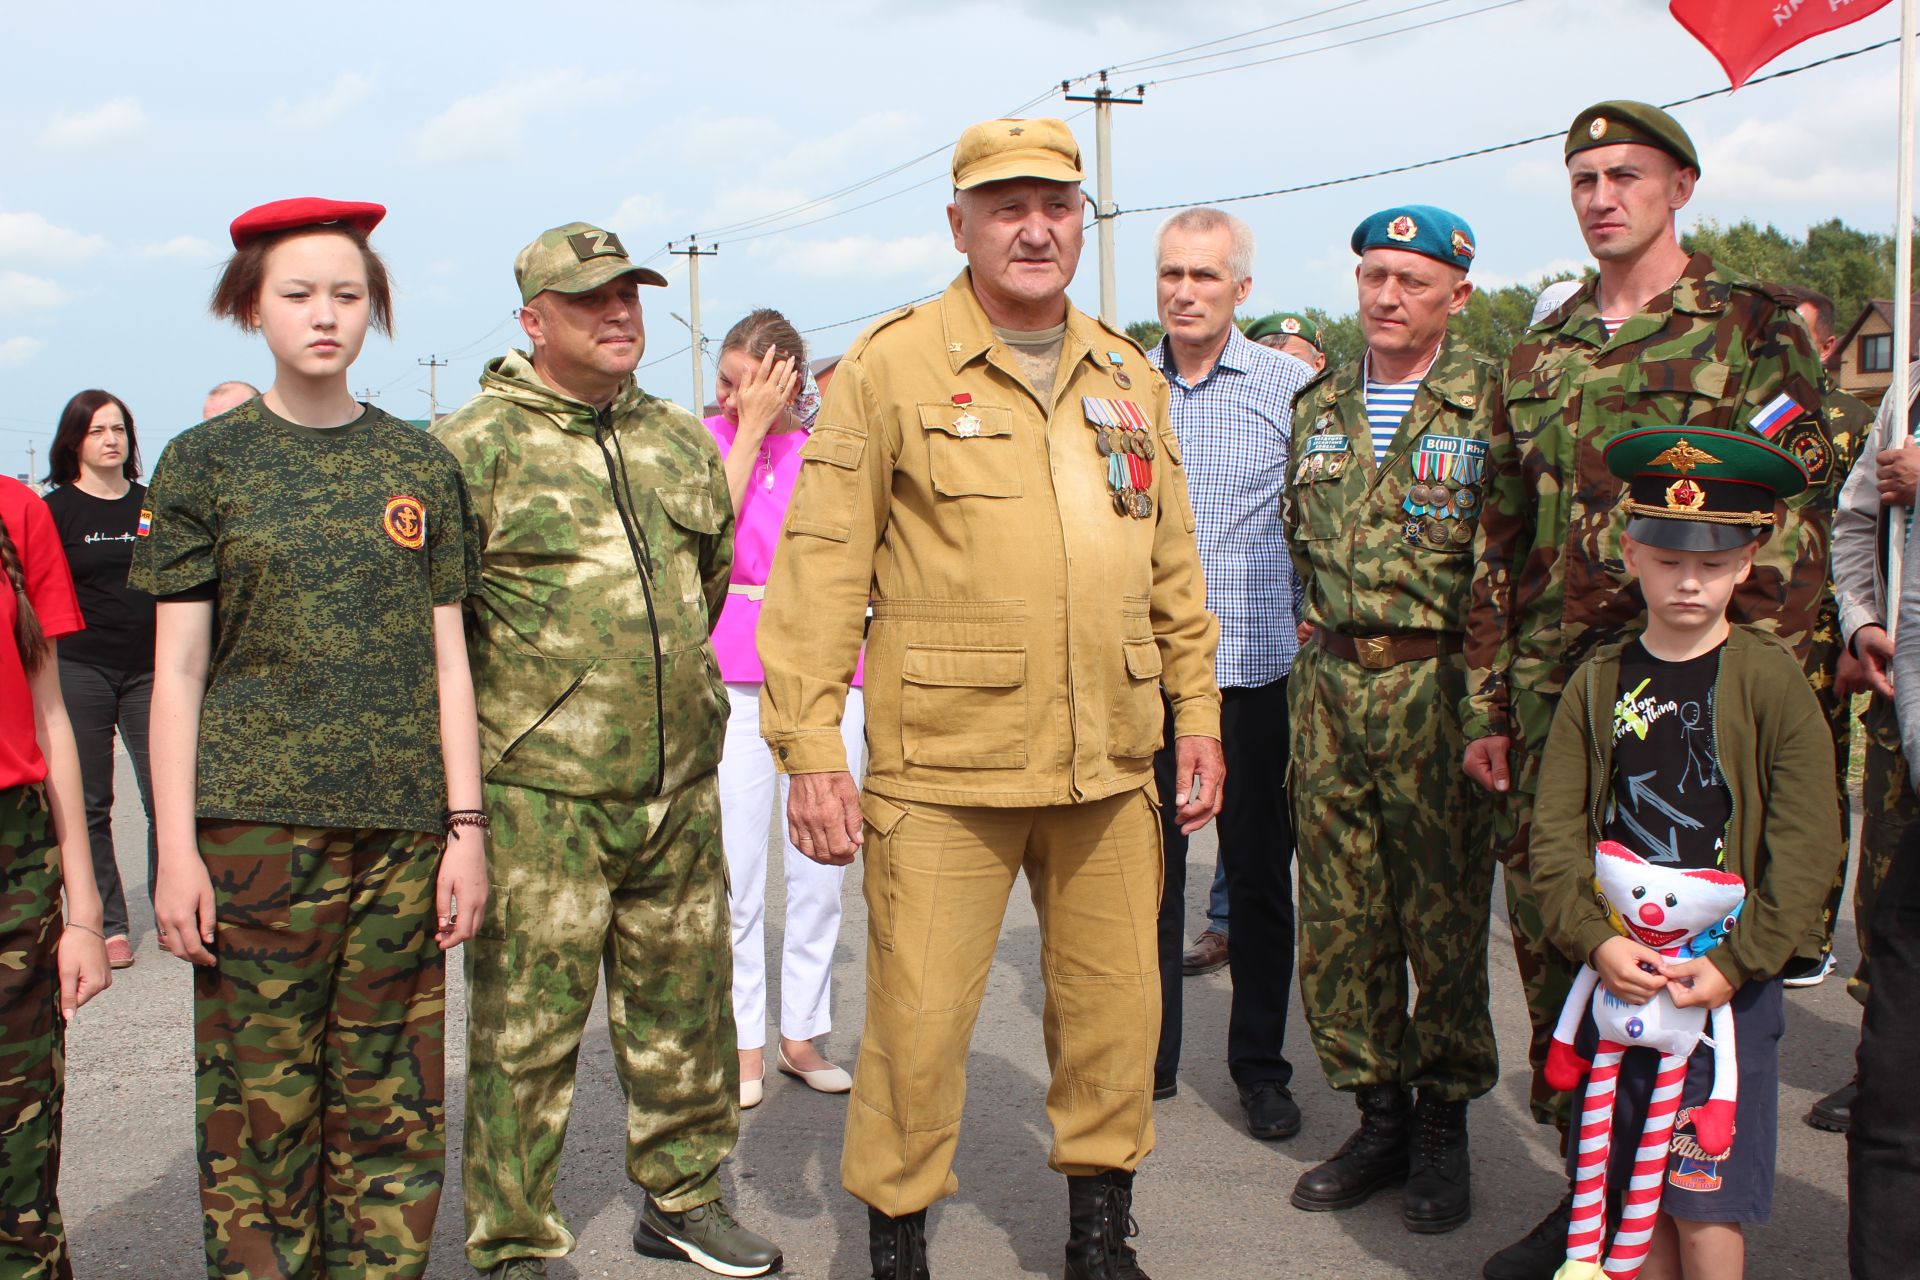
{"x":1714,"y":351}
{"x":1371,"y":555}
{"x":607,"y":537}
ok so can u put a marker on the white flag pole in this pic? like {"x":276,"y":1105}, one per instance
{"x":1902,"y":288}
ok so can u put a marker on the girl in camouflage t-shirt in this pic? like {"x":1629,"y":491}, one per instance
{"x":316,"y":770}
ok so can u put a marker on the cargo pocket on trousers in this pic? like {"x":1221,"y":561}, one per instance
{"x":964,"y":707}
{"x":882,"y":818}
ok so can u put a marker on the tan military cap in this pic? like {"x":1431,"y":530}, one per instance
{"x":574,"y":259}
{"x":996,"y":150}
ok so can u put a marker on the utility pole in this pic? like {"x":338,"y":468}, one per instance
{"x":693,"y":253}
{"x":32,"y":483}
{"x":1104,"y":211}
{"x":434,"y":365}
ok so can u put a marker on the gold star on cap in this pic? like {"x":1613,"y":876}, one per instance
{"x":1683,"y":457}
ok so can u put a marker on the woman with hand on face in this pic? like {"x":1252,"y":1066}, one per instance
{"x":106,"y":671}
{"x":316,"y":770}
{"x":767,"y":403}
{"x":51,"y":962}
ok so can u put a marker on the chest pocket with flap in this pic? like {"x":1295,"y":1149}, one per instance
{"x":971,"y":450}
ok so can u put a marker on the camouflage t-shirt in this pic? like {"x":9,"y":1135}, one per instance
{"x":327,"y":551}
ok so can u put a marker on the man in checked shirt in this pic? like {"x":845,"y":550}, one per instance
{"x":1232,"y":407}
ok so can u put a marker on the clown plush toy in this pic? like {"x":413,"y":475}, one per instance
{"x":1681,"y":914}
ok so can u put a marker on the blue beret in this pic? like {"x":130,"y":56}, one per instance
{"x":1419,"y":228}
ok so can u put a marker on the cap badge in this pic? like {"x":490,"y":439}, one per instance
{"x":1402,"y":228}
{"x":1598,"y":128}
{"x":1684,"y":495}
{"x":596,"y":244}
{"x":1683,"y":457}
{"x":1289,"y":325}
{"x":1462,"y":247}
{"x":1015,"y":132}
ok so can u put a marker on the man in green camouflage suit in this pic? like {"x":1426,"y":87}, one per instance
{"x":1658,"y":338}
{"x":1849,"y":421}
{"x":1393,"y":871}
{"x":607,"y":542}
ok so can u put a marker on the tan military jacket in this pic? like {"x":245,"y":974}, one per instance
{"x":1022,"y":627}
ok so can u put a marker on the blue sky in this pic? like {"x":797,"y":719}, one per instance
{"x":137,"y":132}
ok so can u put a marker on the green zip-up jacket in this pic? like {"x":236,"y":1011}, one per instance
{"x":1776,"y":756}
{"x":607,"y":539}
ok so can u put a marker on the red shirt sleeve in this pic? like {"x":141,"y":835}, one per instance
{"x":49,"y":583}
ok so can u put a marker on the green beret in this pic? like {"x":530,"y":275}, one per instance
{"x":1418,"y":228}
{"x":1700,"y":489}
{"x":1606,"y":123}
{"x":1285,"y":324}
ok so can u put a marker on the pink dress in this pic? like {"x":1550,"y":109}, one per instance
{"x":756,"y":532}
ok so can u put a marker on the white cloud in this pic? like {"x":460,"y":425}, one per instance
{"x":637,"y":213}
{"x":1488,"y":281}
{"x":15,"y":352}
{"x":112,"y":121}
{"x":28,"y":237}
{"x":485,"y":124}
{"x":868,"y":257}
{"x":1832,"y":150}
{"x":349,"y":90}
{"x":742,"y":203}
{"x":22,"y":292}
{"x":191,"y":249}
{"x":869,"y":139}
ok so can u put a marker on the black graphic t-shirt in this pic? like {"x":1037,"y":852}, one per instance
{"x":1669,"y":803}
{"x":98,"y":536}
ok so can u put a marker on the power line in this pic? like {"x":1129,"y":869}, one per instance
{"x":1340,"y":44}
{"x":1503,"y":146}
{"x":1154,"y":58}
{"x":1137,"y":68}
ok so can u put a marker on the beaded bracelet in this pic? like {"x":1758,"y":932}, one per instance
{"x":466,"y":818}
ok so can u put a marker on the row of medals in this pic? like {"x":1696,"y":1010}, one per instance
{"x":1449,"y":517}
{"x":1124,"y":441}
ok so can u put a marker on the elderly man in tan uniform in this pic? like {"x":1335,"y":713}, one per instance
{"x":995,"y":471}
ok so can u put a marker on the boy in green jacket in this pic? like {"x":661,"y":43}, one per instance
{"x":1713,"y":754}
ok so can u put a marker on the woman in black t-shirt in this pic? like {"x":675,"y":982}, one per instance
{"x":106,"y":671}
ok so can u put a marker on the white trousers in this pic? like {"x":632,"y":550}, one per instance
{"x":752,"y":795}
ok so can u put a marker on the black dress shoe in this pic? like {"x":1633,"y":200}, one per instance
{"x":1271,"y":1111}
{"x":1539,"y":1253}
{"x":1372,"y":1157}
{"x":1439,"y":1191}
{"x":1834,"y":1113}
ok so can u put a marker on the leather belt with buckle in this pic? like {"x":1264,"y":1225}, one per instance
{"x":1377,"y":653}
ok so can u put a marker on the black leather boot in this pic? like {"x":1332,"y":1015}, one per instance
{"x":1375,"y":1156}
{"x":1539,"y":1253}
{"x":1099,"y":1223}
{"x":1439,"y":1191}
{"x":898,"y":1245}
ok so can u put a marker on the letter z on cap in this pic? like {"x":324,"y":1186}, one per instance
{"x":575,"y":259}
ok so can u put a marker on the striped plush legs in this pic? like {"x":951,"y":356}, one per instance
{"x":1641,"y":1205}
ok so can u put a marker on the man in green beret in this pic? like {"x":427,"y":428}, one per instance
{"x":1382,"y":512}
{"x":1657,"y":337}
{"x":1293,"y":334}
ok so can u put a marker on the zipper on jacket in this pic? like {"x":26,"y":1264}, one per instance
{"x":545,"y":716}
{"x":616,"y":461}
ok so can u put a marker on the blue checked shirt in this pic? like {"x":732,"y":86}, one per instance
{"x":1236,"y":431}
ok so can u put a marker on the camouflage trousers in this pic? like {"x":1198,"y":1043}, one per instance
{"x":1823,"y":661}
{"x":635,"y":888}
{"x":32,"y":1041}
{"x":1394,"y":876}
{"x":1546,"y":975}
{"x":1888,"y":807}
{"x":318,"y":1053}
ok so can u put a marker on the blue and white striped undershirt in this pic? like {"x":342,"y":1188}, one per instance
{"x":1387,"y":404}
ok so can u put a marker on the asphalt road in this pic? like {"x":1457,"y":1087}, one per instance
{"x":1211,"y":1201}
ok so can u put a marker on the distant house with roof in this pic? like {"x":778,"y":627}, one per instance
{"x":1866,"y":350}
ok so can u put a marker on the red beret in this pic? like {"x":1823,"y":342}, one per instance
{"x":304,"y":211}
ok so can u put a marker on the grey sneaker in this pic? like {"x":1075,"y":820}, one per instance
{"x":519,"y":1269}
{"x":706,"y":1235}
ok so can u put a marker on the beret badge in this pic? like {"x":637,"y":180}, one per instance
{"x":1402,"y":228}
{"x":1597,"y":129}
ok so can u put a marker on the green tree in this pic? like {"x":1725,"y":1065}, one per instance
{"x":1847,"y":264}
{"x":1146,"y":333}
{"x":1495,"y":318}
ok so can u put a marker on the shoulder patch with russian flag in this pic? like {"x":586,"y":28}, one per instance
{"x":1775,"y":415}
{"x":145,"y":526}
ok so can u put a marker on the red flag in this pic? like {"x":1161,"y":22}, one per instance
{"x":1745,"y":35}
